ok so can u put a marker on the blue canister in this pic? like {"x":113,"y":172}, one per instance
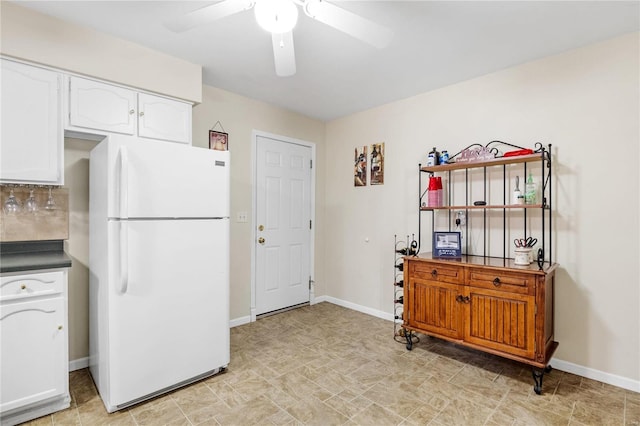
{"x":444,"y":157}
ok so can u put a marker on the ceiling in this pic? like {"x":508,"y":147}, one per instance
{"x":436,"y":43}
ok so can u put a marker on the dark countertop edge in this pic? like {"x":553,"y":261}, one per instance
{"x":31,"y":246}
{"x":33,"y":256}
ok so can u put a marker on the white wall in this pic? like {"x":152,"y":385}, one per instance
{"x":586,"y":103}
{"x":240,"y":116}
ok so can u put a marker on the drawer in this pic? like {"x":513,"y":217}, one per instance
{"x":31,"y":285}
{"x":500,"y":280}
{"x":436,"y":272}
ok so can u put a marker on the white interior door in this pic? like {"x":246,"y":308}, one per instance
{"x":283,"y":218}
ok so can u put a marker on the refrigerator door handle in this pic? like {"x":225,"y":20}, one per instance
{"x":124,"y":182}
{"x":124,"y":256}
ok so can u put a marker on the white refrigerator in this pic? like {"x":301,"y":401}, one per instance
{"x":159,"y":267}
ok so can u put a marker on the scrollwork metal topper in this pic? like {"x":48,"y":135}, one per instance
{"x":478,"y":153}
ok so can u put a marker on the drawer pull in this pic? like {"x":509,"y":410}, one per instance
{"x":434,"y":273}
{"x":497,"y":282}
{"x":23,"y":286}
{"x":462,"y":299}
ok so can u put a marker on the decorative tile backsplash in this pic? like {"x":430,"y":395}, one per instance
{"x":42,"y":224}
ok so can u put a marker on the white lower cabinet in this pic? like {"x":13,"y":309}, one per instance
{"x":34,"y":374}
{"x":96,"y":107}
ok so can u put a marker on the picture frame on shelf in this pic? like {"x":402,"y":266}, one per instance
{"x":447,"y":245}
{"x":218,"y":141}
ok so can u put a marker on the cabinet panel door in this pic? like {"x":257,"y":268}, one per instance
{"x":501,"y":321}
{"x":99,"y":106}
{"x":34,"y":364}
{"x":164,"y":119}
{"x":31,"y":141}
{"x":432,"y":307}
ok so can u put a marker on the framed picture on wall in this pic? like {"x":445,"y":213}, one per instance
{"x":360,"y":168}
{"x":218,"y":140}
{"x":377,"y":164}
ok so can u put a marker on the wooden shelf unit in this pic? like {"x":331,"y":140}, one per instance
{"x":487,"y":303}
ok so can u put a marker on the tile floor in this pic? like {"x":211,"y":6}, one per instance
{"x":327,"y":365}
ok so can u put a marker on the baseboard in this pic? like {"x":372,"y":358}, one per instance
{"x":364,"y":309}
{"x":79,"y":364}
{"x":591,"y":373}
{"x":239,"y":321}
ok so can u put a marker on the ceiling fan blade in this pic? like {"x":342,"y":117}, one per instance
{"x":349,"y":23}
{"x":283,"y":54}
{"x":208,"y":14}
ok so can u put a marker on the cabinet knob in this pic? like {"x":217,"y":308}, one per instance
{"x":131,"y":112}
{"x":59,"y":327}
{"x":141,"y":113}
{"x":434,"y":273}
{"x":497,"y":282}
{"x":261,"y":240}
{"x":23,"y":286}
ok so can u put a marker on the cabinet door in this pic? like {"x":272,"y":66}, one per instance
{"x":34,"y":357}
{"x":501,"y":321}
{"x":431,"y":306}
{"x":166,"y":119}
{"x":99,"y":106}
{"x":31,"y":141}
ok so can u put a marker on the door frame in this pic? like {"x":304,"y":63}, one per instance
{"x":312,"y":199}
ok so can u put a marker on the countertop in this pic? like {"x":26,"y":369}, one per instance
{"x":33,"y":255}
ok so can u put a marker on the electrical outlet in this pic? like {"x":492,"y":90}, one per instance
{"x":462,"y":216}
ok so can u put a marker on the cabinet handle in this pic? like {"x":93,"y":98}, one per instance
{"x":131,"y":112}
{"x":434,"y":273}
{"x":141,"y":113}
{"x":23,"y":286}
{"x":497,"y":282}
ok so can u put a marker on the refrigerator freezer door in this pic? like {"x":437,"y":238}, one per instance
{"x":170,"y":321}
{"x":164,"y":180}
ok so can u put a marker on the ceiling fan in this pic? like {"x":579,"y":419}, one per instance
{"x":279,"y":17}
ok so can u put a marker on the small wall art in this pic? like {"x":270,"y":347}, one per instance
{"x":218,"y":140}
{"x":377,"y":164}
{"x":360,"y":168}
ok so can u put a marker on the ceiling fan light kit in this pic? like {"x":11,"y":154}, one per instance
{"x":276,"y":16}
{"x":279,"y":17}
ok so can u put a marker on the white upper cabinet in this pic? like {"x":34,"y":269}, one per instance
{"x":31,"y":141}
{"x":101,"y":108}
{"x":162,"y":118}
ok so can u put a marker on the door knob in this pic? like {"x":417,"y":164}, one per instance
{"x":261,"y":240}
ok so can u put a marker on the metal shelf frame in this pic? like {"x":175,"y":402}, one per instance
{"x":541,"y":154}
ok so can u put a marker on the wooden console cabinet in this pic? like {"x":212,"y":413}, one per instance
{"x":489,"y":304}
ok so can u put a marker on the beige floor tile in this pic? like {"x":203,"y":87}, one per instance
{"x":252,"y":412}
{"x":632,"y":413}
{"x":462,"y":411}
{"x":303,"y":367}
{"x":523,"y":413}
{"x":164,"y":412}
{"x":376,"y":415}
{"x":70,"y":416}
